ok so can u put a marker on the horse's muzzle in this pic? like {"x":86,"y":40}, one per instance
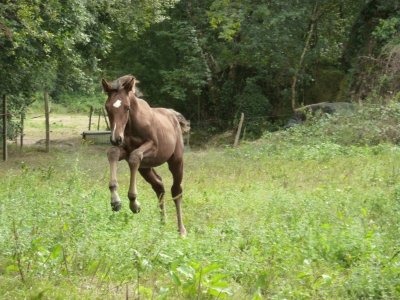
{"x":117,"y":141}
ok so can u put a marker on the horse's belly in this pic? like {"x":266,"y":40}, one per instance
{"x":149,"y":162}
{"x":164,"y":153}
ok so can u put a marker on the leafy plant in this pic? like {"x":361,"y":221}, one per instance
{"x":198,"y":281}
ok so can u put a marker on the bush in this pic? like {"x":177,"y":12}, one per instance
{"x":368,"y":125}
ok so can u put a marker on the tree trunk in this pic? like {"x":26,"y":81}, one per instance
{"x":314,"y":19}
{"x":210,"y":63}
{"x":21,"y":144}
{"x":5,"y":150}
{"x":47,"y":120}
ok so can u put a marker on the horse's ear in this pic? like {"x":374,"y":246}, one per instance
{"x":106,"y":86}
{"x":130,"y":85}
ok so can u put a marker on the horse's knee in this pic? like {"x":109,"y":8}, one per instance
{"x":135,"y":158}
{"x":113,"y":153}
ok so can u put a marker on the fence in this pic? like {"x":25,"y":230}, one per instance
{"x":93,"y":136}
{"x":97,"y":137}
{"x":102,"y":137}
{"x":6,"y":115}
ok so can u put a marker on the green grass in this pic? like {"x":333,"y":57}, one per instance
{"x":308,"y":213}
{"x":266,"y":220}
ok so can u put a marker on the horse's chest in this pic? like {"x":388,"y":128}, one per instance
{"x":134,"y":142}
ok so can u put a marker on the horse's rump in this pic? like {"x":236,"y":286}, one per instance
{"x":185,"y":124}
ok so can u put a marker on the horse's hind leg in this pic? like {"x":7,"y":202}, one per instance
{"x":150,"y":175}
{"x":176,"y":168}
{"x":114,"y":154}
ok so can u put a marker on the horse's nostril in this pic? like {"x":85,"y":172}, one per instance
{"x":117,"y":141}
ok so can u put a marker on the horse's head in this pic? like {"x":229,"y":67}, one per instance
{"x":118,"y":104}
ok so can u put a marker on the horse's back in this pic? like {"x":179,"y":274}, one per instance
{"x":169,"y":130}
{"x":167,"y":119}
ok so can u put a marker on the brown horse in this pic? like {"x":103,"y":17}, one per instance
{"x":145,"y":137}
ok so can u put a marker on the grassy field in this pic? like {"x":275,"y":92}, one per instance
{"x":283,"y":217}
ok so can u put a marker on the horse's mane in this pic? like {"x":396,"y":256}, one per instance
{"x":120,"y":82}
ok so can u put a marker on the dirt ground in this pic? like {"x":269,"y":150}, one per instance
{"x":65,"y":135}
{"x":63,"y":128}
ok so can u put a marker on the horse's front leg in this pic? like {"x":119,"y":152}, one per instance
{"x":134,"y":160}
{"x":114,"y":155}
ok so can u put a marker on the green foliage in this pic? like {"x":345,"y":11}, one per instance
{"x":77,"y":102}
{"x":227,"y":16}
{"x":255,"y":105}
{"x":387,"y":29}
{"x":196,"y":280}
{"x":56,"y":46}
{"x":210,"y":59}
{"x":372,"y":51}
{"x":366,"y":125}
{"x":225,"y":57}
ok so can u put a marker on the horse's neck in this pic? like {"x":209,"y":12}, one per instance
{"x":140,"y":112}
{"x":139,"y":105}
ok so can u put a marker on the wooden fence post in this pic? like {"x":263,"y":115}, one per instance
{"x":90,"y":117}
{"x":22,"y":130}
{"x":47,"y":120}
{"x":236,"y":143}
{"x":105,"y":119}
{"x":5,"y":150}
{"x":98,"y":121}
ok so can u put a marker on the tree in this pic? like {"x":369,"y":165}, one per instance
{"x":56,"y":45}
{"x":372,"y":51}
{"x":228,"y":56}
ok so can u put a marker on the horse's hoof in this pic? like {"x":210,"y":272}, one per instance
{"x":134,"y":206}
{"x":115,"y":206}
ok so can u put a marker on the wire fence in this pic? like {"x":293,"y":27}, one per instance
{"x":28,"y":139}
{"x":265,"y":122}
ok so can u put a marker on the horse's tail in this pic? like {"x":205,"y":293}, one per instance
{"x":185,"y":124}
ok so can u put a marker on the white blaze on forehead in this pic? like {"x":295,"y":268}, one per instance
{"x":117,"y":103}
